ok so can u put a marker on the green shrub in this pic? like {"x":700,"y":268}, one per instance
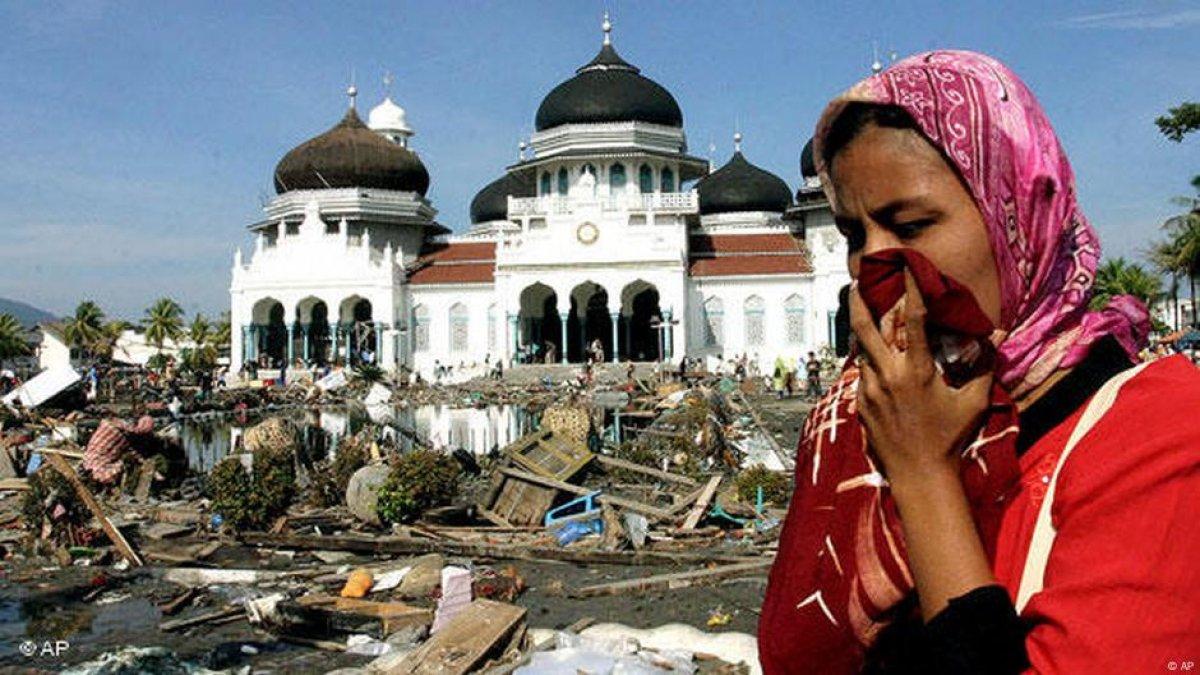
{"x":419,"y":480}
{"x":776,"y":486}
{"x":253,"y":501}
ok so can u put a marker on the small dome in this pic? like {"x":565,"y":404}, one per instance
{"x":388,"y":116}
{"x":740,"y":186}
{"x":491,"y":203}
{"x":608,"y":89}
{"x":351,"y":155}
{"x":808,"y":166}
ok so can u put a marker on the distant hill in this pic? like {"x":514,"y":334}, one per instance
{"x":27,"y":314}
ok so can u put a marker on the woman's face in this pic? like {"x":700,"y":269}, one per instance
{"x":895,"y":190}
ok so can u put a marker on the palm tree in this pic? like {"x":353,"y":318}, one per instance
{"x":1184,"y":236}
{"x":164,"y":321}
{"x":12,"y":338}
{"x":200,"y":330}
{"x":1120,"y":277}
{"x":221,"y":332}
{"x":85,"y":328}
{"x":1164,"y":257}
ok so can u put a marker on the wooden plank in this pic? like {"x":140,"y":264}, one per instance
{"x":638,"y":507}
{"x":659,"y":582}
{"x":494,"y":518}
{"x":388,"y":545}
{"x":701,"y":505}
{"x":649,"y":471}
{"x":330,"y":613}
{"x":207,"y":617}
{"x":20,"y":484}
{"x":89,"y":500}
{"x":465,"y":643}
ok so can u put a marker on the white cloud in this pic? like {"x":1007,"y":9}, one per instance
{"x":1135,"y":20}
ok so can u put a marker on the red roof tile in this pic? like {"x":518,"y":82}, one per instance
{"x":721,"y":255}
{"x":455,"y":263}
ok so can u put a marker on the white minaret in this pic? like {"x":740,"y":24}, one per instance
{"x":388,"y":119}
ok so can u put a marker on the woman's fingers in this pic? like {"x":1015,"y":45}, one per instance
{"x":914,"y":323}
{"x":864,"y":328}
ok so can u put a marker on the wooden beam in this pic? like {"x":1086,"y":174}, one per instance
{"x":645,"y":509}
{"x":661,"y":582}
{"x":631,"y":466}
{"x":89,"y":500}
{"x":701,"y":505}
{"x":465,"y":643}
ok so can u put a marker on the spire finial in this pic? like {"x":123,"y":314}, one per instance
{"x":352,"y":91}
{"x":876,"y":65}
{"x":521,"y":150}
{"x":606,"y":26}
{"x":388,"y":79}
{"x":737,"y":141}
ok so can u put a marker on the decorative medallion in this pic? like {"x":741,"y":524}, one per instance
{"x":587,"y":233}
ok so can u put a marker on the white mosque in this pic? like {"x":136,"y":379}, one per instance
{"x":606,"y":230}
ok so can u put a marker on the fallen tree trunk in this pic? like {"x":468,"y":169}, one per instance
{"x":661,"y":582}
{"x":409,"y":546}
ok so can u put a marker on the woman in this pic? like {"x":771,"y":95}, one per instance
{"x":991,"y":485}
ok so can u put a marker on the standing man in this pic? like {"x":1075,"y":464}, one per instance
{"x":813,"y":367}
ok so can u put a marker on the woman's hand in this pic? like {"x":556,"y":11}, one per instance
{"x":915,"y":422}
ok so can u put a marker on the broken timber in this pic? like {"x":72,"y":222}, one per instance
{"x":410,"y":546}
{"x":629,"y":504}
{"x":701,"y":505}
{"x":89,"y":500}
{"x":464,"y":644}
{"x":661,"y":582}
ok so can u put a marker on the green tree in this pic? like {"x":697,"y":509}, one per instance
{"x":12,"y":338}
{"x":1117,"y":276}
{"x":1179,"y":121}
{"x":164,"y":321}
{"x":85,"y":329}
{"x":1165,"y":259}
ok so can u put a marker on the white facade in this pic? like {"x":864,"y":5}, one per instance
{"x":610,"y":247}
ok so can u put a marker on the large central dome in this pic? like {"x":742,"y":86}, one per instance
{"x":351,"y":155}
{"x":608,"y":90}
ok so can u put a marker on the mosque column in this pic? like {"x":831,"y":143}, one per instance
{"x":512,"y":329}
{"x":562,"y":324}
{"x":331,"y":354}
{"x":615,"y":316}
{"x":254,"y":342}
{"x":291,"y":343}
{"x":669,"y":336}
{"x":305,"y":329}
{"x":245,"y":345}
{"x":378,"y":339}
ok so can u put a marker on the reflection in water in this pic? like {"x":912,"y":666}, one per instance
{"x":477,"y":430}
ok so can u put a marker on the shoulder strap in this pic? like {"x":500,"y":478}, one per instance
{"x":1033,"y":576}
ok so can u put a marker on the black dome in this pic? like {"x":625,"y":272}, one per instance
{"x":808,"y":167}
{"x":350,"y":155}
{"x":741,"y":186}
{"x":491,"y":203}
{"x":608,"y":90}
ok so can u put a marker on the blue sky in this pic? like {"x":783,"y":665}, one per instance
{"x":138,"y":139}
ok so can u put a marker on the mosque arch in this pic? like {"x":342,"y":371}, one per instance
{"x":617,"y":178}
{"x":544,"y":184}
{"x":714,"y":322}
{"x":793,"y":310}
{"x":646,"y":179}
{"x":540,"y":326}
{"x":267,"y":336}
{"x":640,"y":316}
{"x":564,"y":182}
{"x":589,"y":320}
{"x":357,"y":339}
{"x":311,"y":331}
{"x":460,"y":324}
{"x":666,"y":181}
{"x":754,"y":326}
{"x":420,"y":328}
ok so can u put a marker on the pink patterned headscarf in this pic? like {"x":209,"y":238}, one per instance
{"x":988,"y":123}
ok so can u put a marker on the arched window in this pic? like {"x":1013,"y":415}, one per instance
{"x":562,"y":182}
{"x":544,"y":186}
{"x":667,"y":181}
{"x":754,"y":319}
{"x":491,"y":328}
{"x":793,"y":309}
{"x":645,"y":179}
{"x":458,"y":326}
{"x":420,"y":328}
{"x":616,"y":178}
{"x":714,"y":322}
{"x":588,"y":178}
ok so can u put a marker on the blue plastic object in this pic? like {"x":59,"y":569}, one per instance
{"x":577,"y":529}
{"x":580,"y":508}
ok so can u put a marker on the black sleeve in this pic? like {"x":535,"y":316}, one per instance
{"x":977,"y":633}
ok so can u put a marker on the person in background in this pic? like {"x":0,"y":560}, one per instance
{"x":812,"y":368}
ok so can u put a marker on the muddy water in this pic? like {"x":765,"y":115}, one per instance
{"x":478,"y":430}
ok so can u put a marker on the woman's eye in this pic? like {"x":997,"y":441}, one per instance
{"x":911,"y":228}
